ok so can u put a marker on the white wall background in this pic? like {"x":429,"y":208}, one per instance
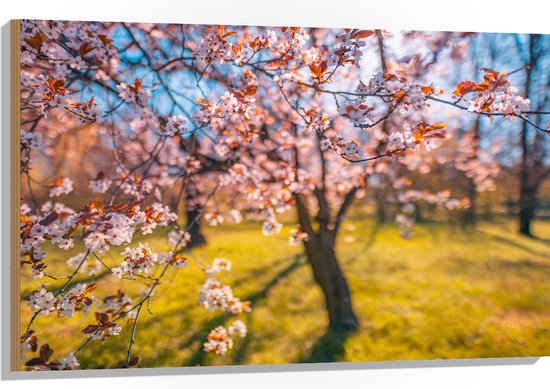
{"x":529,"y":16}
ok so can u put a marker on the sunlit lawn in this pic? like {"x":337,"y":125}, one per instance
{"x":443,"y":294}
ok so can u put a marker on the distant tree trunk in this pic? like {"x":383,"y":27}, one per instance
{"x":527,"y":195}
{"x":470,"y":217}
{"x":381,"y":192}
{"x":470,"y":213}
{"x":381,"y":204}
{"x":418,"y":215}
{"x":528,"y":202}
{"x":197,"y":238}
{"x":192,"y":211}
{"x":192,"y":197}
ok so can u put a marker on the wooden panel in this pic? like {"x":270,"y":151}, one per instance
{"x":15,"y":182}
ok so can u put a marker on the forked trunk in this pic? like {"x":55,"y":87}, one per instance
{"x":328,"y":274}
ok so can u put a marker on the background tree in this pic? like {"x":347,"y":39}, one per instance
{"x":534,"y":149}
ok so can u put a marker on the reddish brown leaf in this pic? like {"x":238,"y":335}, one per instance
{"x":363,"y":34}
{"x":102,"y":318}
{"x":49,"y":219}
{"x":34,"y":362}
{"x":133,"y":361}
{"x":45,"y":352}
{"x":464,"y":87}
{"x":90,"y":329}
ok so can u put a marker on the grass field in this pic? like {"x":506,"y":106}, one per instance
{"x":443,"y":294}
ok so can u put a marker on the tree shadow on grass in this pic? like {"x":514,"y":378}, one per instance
{"x":539,"y":239}
{"x":25,"y":292}
{"x":515,"y":244}
{"x":329,"y":348}
{"x":497,"y":269}
{"x":255,"y":273}
{"x":368,"y":243}
{"x":238,"y":355}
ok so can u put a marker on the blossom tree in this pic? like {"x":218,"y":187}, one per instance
{"x":261,"y":120}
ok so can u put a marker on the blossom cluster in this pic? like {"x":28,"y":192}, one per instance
{"x":43,"y":301}
{"x":351,"y":43}
{"x":157,"y":215}
{"x":174,"y":126}
{"x":214,"y":218}
{"x":411,"y":137}
{"x":271,"y":226}
{"x":297,"y":236}
{"x":83,"y":47}
{"x":36,"y":230}
{"x":176,"y":237}
{"x":32,"y":140}
{"x":215,"y":295}
{"x":35,"y":38}
{"x":245,"y":50}
{"x":478,"y":164}
{"x":220,"y":340}
{"x":78,"y":298}
{"x":103,"y":329}
{"x":100,"y":184}
{"x":358,"y":112}
{"x":404,"y":94}
{"x":493,"y":95}
{"x":214,"y":46}
{"x":139,"y":259}
{"x":232,"y":106}
{"x":407,"y":198}
{"x":51,"y":93}
{"x":110,"y":228}
{"x":136,"y":186}
{"x":133,"y":94}
{"x":86,"y":112}
{"x":63,"y":185}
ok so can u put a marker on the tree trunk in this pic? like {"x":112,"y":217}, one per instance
{"x":381,"y":192}
{"x":381,"y":204}
{"x":319,"y":248}
{"x":192,"y":211}
{"x":470,"y":219}
{"x":328,"y":274}
{"x":197,"y":238}
{"x":527,"y":196}
{"x":527,"y":209}
{"x":470,"y":213}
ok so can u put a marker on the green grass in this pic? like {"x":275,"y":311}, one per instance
{"x":445,"y":293}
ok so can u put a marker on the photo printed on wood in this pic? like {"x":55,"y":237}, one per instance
{"x":197,"y":195}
